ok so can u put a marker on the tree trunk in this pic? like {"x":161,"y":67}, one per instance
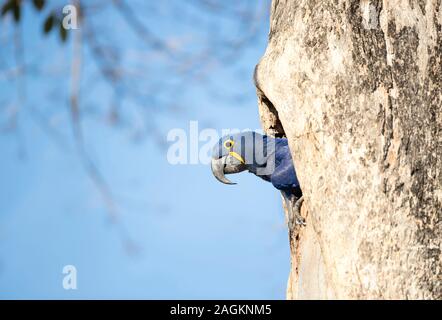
{"x":356,"y":88}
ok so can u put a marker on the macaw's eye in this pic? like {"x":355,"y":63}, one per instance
{"x":228,"y":144}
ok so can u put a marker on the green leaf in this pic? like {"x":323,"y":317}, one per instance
{"x":49,"y":23}
{"x":38,"y":4}
{"x":17,"y":11}
{"x":8,"y":6}
{"x":63,"y":33}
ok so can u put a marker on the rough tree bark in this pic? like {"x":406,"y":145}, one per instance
{"x":356,"y":86}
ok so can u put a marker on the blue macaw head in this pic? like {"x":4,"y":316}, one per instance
{"x":235,"y":153}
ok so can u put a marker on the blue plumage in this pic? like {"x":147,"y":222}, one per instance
{"x":259,"y":151}
{"x":268,"y":158}
{"x":284,"y":177}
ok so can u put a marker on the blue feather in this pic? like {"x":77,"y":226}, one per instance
{"x":284,"y":177}
{"x":250,"y":146}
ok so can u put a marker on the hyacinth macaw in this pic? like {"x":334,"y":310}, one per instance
{"x":268,"y":158}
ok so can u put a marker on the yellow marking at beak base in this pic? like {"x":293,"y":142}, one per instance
{"x":237,"y":157}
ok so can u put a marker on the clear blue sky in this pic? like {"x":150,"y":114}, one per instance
{"x":196,"y":238}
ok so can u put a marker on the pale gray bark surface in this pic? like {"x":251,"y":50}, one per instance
{"x":356,"y":88}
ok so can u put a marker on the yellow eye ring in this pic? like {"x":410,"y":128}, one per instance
{"x":228,"y":144}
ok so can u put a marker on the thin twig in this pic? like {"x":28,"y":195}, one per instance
{"x":90,"y":167}
{"x":139,"y":28}
{"x":21,"y":90}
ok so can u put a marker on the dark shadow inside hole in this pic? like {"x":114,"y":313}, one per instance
{"x":273,"y":127}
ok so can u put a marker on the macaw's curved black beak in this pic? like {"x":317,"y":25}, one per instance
{"x":218,"y":166}
{"x":226,"y":165}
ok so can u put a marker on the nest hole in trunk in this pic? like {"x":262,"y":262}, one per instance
{"x":269,"y":116}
